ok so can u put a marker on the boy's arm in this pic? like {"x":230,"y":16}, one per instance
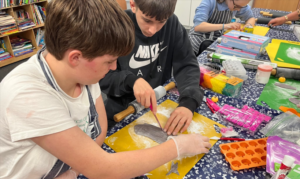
{"x":79,"y":151}
{"x":251,"y":21}
{"x":102,"y":118}
{"x":76,"y":149}
{"x":99,"y":140}
{"x":187,"y":75}
{"x":118,"y":82}
{"x":246,"y":14}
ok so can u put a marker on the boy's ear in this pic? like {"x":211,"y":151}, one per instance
{"x":74,"y":57}
{"x":133,"y":6}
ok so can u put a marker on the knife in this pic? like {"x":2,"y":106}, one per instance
{"x":155,"y":117}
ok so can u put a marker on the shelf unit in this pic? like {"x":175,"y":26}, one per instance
{"x":27,"y":33}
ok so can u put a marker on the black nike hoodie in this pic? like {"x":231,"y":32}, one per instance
{"x":171,"y":52}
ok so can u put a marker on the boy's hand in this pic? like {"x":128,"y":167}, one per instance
{"x":191,"y":144}
{"x":180,"y":119}
{"x":233,"y":26}
{"x":145,"y":94}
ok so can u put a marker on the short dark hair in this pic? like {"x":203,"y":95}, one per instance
{"x":94,"y":27}
{"x":160,"y":9}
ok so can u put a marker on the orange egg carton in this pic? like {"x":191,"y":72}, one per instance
{"x":246,"y":154}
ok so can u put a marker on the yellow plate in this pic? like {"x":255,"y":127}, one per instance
{"x":126,"y":139}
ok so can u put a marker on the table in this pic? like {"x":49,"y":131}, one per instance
{"x":213,"y":164}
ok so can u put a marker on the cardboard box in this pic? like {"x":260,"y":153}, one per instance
{"x":235,"y":52}
{"x":244,"y":41}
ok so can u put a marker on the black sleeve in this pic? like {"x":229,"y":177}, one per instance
{"x":118,"y":82}
{"x":186,"y":70}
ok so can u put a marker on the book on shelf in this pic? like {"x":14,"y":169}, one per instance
{"x":22,"y":2}
{"x":39,"y":13}
{"x":39,"y":37}
{"x":23,"y":19}
{"x":8,"y":25}
{"x":21,"y":46}
{"x":3,"y":51}
{"x":10,"y":3}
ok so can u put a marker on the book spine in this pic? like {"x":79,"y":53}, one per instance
{"x":38,"y":13}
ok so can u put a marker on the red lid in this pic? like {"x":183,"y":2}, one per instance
{"x":266,"y":68}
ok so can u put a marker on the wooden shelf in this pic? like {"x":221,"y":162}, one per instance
{"x":26,"y":34}
{"x":21,"y":5}
{"x":35,"y":27}
{"x":16,"y":59}
{"x":38,"y":26}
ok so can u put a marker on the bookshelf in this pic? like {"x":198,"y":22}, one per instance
{"x":26,"y":34}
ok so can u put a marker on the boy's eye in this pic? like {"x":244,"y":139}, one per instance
{"x":147,"y":21}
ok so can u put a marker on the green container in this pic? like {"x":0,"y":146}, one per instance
{"x":249,"y":29}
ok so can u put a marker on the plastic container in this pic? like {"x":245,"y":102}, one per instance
{"x":263,"y":73}
{"x":249,"y":29}
{"x":246,"y":154}
{"x":216,"y":81}
{"x":246,"y":118}
{"x":235,"y":68}
{"x":277,"y":148}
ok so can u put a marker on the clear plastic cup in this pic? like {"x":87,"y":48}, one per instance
{"x":263,"y":73}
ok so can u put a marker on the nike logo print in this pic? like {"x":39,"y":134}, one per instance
{"x":138,"y":64}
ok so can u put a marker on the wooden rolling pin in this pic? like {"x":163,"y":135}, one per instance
{"x":135,"y":107}
{"x":273,"y":14}
{"x":288,"y":73}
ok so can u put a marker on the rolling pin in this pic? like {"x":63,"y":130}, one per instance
{"x":246,"y":62}
{"x":264,"y":20}
{"x":273,"y":14}
{"x":135,"y":107}
{"x":288,"y":73}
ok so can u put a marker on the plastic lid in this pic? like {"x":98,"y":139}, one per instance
{"x":288,"y":161}
{"x":264,"y":67}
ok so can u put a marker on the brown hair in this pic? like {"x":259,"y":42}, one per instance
{"x":94,"y":27}
{"x":160,"y":9}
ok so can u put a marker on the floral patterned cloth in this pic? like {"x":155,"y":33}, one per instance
{"x":213,"y":165}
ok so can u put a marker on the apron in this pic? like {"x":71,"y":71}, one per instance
{"x":217,"y":17}
{"x":60,"y":167}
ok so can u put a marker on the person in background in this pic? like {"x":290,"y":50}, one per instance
{"x":281,"y":20}
{"x":213,"y":17}
{"x":162,"y":49}
{"x":52,"y":117}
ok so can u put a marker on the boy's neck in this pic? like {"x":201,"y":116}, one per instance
{"x":62,"y":75}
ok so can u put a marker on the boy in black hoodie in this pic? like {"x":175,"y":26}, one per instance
{"x":162,"y":47}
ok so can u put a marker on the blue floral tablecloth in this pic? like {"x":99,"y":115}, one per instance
{"x":213,"y":165}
